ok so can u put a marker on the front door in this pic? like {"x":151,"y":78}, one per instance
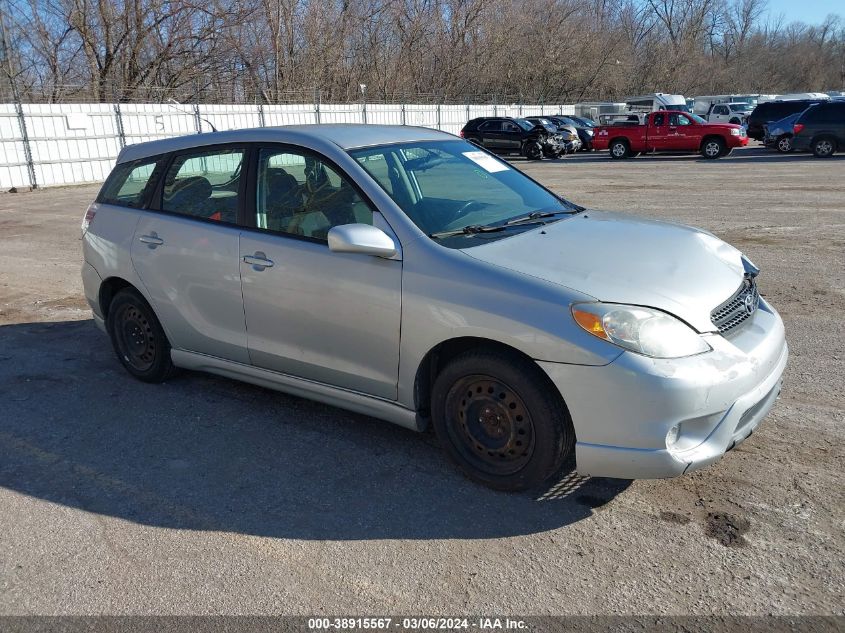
{"x":686,"y":135}
{"x":185,"y":250}
{"x":329,"y":317}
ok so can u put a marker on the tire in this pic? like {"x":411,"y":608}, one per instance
{"x":619,"y":149}
{"x":824,"y":147}
{"x":713,"y":147}
{"x":533,"y":151}
{"x":784,"y":144}
{"x":138,"y":338}
{"x":489,"y":405}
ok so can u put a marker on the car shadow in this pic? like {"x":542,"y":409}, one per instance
{"x":206,"y":453}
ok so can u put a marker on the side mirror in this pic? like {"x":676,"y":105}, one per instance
{"x":361,"y":238}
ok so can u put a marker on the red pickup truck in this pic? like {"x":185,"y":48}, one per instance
{"x":669,"y":131}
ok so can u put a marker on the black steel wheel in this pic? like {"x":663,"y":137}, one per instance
{"x":501,"y":420}
{"x":138,"y":338}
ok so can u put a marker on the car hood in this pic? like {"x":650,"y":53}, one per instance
{"x":616,"y":258}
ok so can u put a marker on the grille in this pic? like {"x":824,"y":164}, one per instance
{"x":738,"y":309}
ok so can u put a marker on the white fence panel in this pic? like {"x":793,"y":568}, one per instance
{"x":74,"y":143}
{"x":153,"y":121}
{"x":12,"y":157}
{"x":78,"y":143}
{"x":290,"y":114}
{"x":230,"y":117}
{"x":346,"y":113}
{"x":453,"y":118}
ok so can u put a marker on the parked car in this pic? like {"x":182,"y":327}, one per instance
{"x":406,"y":274}
{"x":584,"y":131}
{"x":735,"y":113}
{"x":774,"y":111}
{"x":670,"y":132}
{"x":568,"y":134}
{"x":821,"y":129}
{"x":778,"y":134}
{"x":506,"y":135}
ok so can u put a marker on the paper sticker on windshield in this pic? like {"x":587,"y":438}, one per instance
{"x":486,"y":161}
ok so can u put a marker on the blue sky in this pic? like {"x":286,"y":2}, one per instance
{"x":810,"y":11}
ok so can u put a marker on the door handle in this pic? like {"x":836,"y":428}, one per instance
{"x":152,"y":240}
{"x":259,"y":261}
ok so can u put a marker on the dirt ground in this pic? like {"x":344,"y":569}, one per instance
{"x":204,"y":495}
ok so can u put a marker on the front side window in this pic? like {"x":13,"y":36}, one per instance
{"x":130,"y":184}
{"x":299,"y":194}
{"x":449,"y":185}
{"x":678,"y":119}
{"x":204,"y":184}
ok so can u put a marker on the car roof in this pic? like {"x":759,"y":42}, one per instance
{"x":345,"y":136}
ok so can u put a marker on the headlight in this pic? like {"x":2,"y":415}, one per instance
{"x":645,"y":331}
{"x":589,"y":132}
{"x":735,"y":132}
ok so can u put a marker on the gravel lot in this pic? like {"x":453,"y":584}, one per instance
{"x":209,"y":496}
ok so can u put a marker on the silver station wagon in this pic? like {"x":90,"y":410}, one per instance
{"x":406,"y":274}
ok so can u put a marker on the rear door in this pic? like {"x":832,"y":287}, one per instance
{"x":491,"y":135}
{"x":657,"y":131}
{"x":185,"y":251}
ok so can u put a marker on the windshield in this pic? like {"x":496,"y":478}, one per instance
{"x":697,"y":118}
{"x":524,"y":124}
{"x":448,"y":185}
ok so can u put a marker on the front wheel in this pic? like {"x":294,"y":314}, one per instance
{"x":713,"y":148}
{"x":138,"y":338}
{"x":501,"y":420}
{"x":533,"y":151}
{"x":823,"y":148}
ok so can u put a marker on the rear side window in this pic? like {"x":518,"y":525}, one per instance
{"x":826,"y":113}
{"x":130,"y":184}
{"x":204,"y":184}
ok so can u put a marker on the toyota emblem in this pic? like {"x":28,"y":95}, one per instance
{"x":749,"y":303}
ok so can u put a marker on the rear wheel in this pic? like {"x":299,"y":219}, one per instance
{"x":138,"y":338}
{"x":619,"y":149}
{"x":824,"y":147}
{"x":784,"y":144}
{"x":498,"y":417}
{"x":712,"y":148}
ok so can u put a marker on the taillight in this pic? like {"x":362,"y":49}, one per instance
{"x":89,"y":215}
{"x":461,"y":133}
{"x":796,"y":129}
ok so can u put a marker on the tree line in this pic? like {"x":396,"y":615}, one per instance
{"x":276,"y":51}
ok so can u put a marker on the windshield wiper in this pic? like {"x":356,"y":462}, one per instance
{"x":532,"y":217}
{"x":471,"y":229}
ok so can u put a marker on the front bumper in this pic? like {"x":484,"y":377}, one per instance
{"x":623,"y":411}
